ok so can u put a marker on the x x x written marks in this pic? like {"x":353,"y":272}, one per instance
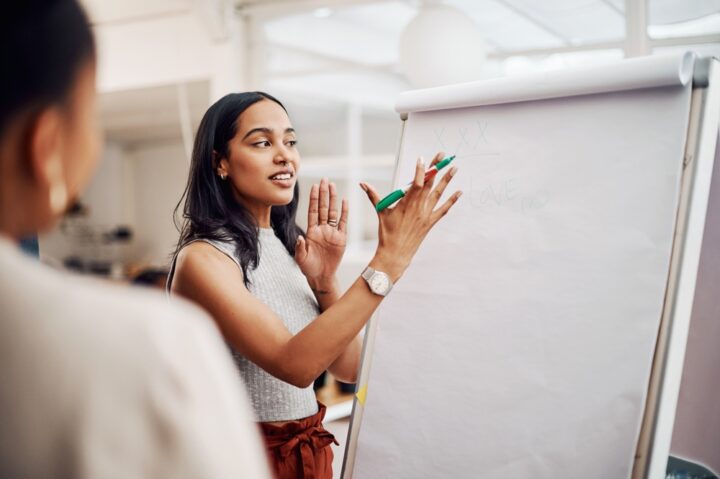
{"x":465,"y":139}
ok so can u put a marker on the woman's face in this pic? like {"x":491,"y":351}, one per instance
{"x":263,"y":160}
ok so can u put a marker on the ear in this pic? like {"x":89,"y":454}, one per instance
{"x":44,"y":147}
{"x":221,"y":164}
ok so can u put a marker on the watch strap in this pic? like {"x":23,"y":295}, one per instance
{"x":367,"y":273}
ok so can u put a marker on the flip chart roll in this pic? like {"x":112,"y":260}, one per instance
{"x":632,"y":74}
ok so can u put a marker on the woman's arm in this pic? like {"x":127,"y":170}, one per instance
{"x":326,"y":293}
{"x":346,"y":367}
{"x":208,"y":277}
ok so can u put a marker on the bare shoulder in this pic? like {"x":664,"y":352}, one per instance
{"x":202,"y":262}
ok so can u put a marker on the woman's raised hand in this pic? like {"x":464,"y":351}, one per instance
{"x":403,"y":227}
{"x":319,"y":253}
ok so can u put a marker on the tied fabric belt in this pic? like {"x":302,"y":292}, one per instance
{"x":306,"y":437}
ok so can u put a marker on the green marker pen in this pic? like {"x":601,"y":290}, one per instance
{"x":397,"y":194}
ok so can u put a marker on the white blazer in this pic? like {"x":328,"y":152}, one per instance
{"x":103,"y":381}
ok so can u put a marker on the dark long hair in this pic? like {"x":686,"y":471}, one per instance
{"x":43,"y":43}
{"x":210,"y":209}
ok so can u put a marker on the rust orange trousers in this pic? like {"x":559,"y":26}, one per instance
{"x":300,"y":449}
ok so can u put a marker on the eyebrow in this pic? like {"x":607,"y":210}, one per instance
{"x":266,"y":130}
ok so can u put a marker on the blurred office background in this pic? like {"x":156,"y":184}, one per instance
{"x":338,"y":66}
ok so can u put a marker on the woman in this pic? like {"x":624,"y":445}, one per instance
{"x":97,"y":380}
{"x":272,"y":289}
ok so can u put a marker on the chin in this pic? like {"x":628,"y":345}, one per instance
{"x":284,"y":201}
{"x":279,"y":200}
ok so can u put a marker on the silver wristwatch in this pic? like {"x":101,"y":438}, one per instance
{"x":378,"y":282}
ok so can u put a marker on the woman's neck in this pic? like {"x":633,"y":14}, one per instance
{"x":261,"y":212}
{"x":261,"y":215}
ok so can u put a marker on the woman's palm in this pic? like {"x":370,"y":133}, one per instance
{"x":319,"y":253}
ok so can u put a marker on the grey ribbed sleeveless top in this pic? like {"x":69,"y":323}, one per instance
{"x":279,"y":283}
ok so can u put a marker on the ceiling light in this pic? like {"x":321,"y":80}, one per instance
{"x":441,"y":45}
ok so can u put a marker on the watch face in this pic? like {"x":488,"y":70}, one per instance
{"x":379,"y":282}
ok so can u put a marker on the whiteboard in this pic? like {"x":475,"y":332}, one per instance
{"x":519,"y":342}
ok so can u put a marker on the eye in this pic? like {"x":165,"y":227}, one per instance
{"x":262,"y":144}
{"x":292,"y":142}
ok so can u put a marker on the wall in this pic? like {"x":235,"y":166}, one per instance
{"x":159,"y":175}
{"x":109,"y":194}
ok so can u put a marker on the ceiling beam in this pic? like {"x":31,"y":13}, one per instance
{"x":215,"y":16}
{"x":327,"y":69}
{"x":619,"y":45}
{"x":678,"y":41}
{"x":143,"y":17}
{"x":334,"y":63}
{"x":280,"y":8}
{"x":636,"y":37}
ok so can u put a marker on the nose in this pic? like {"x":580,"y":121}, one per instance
{"x":283,"y":155}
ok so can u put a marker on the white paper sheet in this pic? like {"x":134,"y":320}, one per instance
{"x":632,"y":74}
{"x":519,"y":343}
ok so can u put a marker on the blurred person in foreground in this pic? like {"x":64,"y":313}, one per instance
{"x":97,"y":380}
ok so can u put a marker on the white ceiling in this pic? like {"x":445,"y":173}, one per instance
{"x":351,"y":50}
{"x":369,"y":34}
{"x":108,"y":11}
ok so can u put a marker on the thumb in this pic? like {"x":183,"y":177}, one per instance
{"x":300,"y":250}
{"x":371,"y":193}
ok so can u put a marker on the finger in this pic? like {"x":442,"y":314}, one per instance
{"x":419,"y":179}
{"x":332,"y":212}
{"x":442,"y":211}
{"x":324,"y":202}
{"x":429,"y":182}
{"x":371,"y":193}
{"x":436,"y":159}
{"x":313,"y":207}
{"x":438,"y":191}
{"x":300,"y":250}
{"x":342,"y":226}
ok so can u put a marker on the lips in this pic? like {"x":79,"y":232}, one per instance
{"x":283,"y":178}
